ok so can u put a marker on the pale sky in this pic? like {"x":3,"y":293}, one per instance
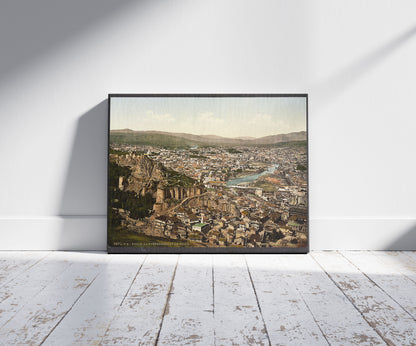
{"x":221,"y":116}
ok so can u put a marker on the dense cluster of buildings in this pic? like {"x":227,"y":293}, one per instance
{"x":269,"y":211}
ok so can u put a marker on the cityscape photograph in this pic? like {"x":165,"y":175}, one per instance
{"x":208,"y":172}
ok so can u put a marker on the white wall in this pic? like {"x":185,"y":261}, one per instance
{"x":59,"y":60}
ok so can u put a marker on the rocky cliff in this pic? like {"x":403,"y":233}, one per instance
{"x":148,"y":176}
{"x":145,"y":173}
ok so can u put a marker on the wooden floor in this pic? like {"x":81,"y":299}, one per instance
{"x":336,"y":298}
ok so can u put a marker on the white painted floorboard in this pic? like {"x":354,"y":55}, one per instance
{"x":189,"y":315}
{"x":287,"y":317}
{"x":339,"y":320}
{"x":140,"y":315}
{"x":39,"y":316}
{"x":15,"y":294}
{"x":398,"y":287}
{"x":335,"y":298}
{"x":400,"y":262}
{"x":238,"y":320}
{"x":385,"y":315}
{"x":92,"y":314}
{"x":12,"y":264}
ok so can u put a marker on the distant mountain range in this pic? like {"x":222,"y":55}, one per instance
{"x":127,"y":136}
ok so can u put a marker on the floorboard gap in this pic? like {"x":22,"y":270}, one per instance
{"x":122,"y":301}
{"x":257,"y":300}
{"x":67,"y":312}
{"x":373,"y":282}
{"x":167,"y":301}
{"x":352,"y":303}
{"x":134,"y":279}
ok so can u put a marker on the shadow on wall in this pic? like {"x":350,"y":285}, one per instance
{"x":83,"y":203}
{"x":336,"y":84}
{"x":407,"y":242}
{"x":339,"y":82}
{"x":25,"y":27}
{"x":84,"y":191}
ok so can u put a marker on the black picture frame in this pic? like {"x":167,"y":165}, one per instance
{"x":209,"y":250}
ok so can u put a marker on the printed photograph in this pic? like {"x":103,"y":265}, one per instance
{"x":212,"y":171}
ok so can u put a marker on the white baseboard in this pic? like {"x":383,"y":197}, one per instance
{"x":363,"y":234}
{"x":54,"y":233}
{"x":90,"y":233}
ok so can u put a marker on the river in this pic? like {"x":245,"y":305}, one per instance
{"x":250,"y":178}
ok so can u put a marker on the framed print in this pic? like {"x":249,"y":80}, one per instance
{"x":208,"y":173}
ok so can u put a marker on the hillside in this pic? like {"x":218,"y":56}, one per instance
{"x":142,"y":184}
{"x":183,"y":140}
